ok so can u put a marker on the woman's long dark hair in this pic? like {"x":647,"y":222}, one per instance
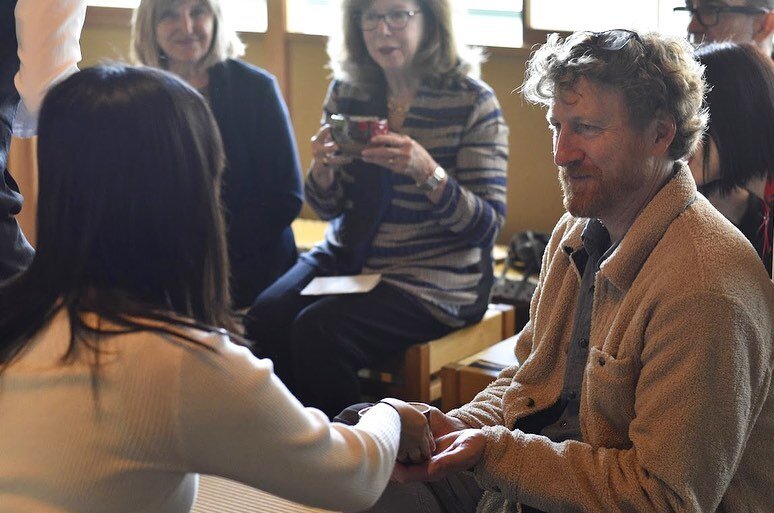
{"x":129,"y":225}
{"x":741,"y":102}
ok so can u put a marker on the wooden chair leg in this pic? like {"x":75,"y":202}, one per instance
{"x":450,"y":386}
{"x":416,"y":373}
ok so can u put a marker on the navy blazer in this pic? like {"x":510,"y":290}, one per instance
{"x":262,"y":191}
{"x":15,"y":251}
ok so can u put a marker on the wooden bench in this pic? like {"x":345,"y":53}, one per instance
{"x":415,"y":375}
{"x":462,"y":380}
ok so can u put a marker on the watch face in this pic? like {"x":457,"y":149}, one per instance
{"x":434,"y":180}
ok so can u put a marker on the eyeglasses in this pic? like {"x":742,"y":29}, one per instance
{"x":395,"y":20}
{"x":709,"y":15}
{"x":614,"y":40}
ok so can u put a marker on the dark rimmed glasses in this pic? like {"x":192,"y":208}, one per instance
{"x":616,"y":39}
{"x":709,"y":15}
{"x":395,"y":20}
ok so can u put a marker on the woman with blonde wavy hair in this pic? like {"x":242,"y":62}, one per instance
{"x":262,"y":183}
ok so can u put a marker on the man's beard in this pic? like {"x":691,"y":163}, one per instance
{"x":581,"y":204}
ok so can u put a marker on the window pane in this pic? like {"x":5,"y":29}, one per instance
{"x":312,"y":16}
{"x":246,"y":16}
{"x":492,"y":23}
{"x":479,"y":22}
{"x":571,"y":15}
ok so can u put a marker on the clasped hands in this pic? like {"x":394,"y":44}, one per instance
{"x":432,"y":450}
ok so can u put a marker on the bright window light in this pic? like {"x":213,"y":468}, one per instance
{"x":247,"y":16}
{"x":478,"y":22}
{"x":597,"y":15}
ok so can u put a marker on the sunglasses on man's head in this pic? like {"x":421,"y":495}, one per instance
{"x":616,"y":39}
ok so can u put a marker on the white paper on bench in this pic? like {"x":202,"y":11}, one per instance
{"x":341,"y":285}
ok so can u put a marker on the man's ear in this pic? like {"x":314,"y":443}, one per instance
{"x":765,"y":29}
{"x":664,"y":130}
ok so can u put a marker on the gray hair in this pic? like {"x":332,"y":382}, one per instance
{"x":658,"y":75}
{"x":145,"y":48}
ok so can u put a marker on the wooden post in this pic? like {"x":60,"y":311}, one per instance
{"x":277,"y":54}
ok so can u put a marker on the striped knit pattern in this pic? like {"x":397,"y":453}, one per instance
{"x":440,"y":254}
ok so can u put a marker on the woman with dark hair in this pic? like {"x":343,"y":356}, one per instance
{"x":262,"y":182}
{"x":119,"y":380}
{"x":736,"y":158}
{"x":420,"y":206}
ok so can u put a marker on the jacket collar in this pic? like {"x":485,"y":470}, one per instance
{"x":624,"y":264}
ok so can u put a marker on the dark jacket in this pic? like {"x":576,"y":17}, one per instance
{"x":15,"y":251}
{"x":262,"y":183}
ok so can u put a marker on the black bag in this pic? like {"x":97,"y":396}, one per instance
{"x":525,"y":254}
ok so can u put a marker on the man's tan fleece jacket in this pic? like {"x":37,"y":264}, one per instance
{"x":677,"y":412}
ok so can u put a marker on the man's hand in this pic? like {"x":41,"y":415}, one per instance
{"x":442,"y":424}
{"x":455,"y":452}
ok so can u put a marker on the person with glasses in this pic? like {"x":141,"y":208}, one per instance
{"x":645,"y":377}
{"x":262,"y":184}
{"x":736,"y":155}
{"x":741,"y":21}
{"x":418,"y":209}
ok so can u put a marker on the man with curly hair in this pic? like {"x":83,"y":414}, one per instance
{"x":645,"y":376}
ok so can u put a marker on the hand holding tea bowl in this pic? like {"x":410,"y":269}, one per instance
{"x":326,"y":157}
{"x":348,"y":137}
{"x":401,"y":154}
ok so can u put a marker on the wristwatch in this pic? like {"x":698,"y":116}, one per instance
{"x":433,"y":181}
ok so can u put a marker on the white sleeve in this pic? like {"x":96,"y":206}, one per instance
{"x":48,"y":33}
{"x":237,"y":420}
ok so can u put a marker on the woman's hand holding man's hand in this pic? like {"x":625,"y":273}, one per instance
{"x":458,"y":448}
{"x":416,"y":439}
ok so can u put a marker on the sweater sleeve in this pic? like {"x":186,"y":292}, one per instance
{"x":473,"y":201}
{"x":701,"y":386}
{"x":237,"y":420}
{"x":48,"y":32}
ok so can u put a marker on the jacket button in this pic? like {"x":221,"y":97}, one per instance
{"x":530,"y":402}
{"x":584,"y":343}
{"x":601,"y":362}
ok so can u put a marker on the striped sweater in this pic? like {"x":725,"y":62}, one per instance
{"x":438,"y":254}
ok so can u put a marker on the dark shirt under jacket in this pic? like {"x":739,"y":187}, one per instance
{"x":561,"y":421}
{"x":262,"y":191}
{"x":15,"y":251}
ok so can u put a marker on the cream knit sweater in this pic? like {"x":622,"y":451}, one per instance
{"x":677,"y":408}
{"x":165,"y":410}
